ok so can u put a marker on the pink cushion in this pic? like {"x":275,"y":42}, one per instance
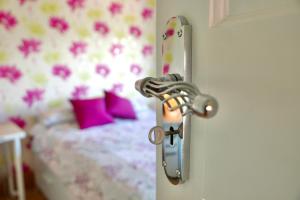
{"x":91,"y":112}
{"x":118,"y":106}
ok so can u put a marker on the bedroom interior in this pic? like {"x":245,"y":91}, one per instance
{"x":149,"y":99}
{"x":67,"y":74}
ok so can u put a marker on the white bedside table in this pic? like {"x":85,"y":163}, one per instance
{"x":9,"y":132}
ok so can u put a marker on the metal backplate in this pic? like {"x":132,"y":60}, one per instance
{"x":177,"y":58}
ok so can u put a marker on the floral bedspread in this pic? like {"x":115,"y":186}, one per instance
{"x":110,"y":162}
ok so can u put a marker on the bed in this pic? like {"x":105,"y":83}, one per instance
{"x":110,"y":162}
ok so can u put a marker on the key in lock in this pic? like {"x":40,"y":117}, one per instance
{"x":157,"y":134}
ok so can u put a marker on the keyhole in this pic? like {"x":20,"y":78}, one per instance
{"x":172,"y":135}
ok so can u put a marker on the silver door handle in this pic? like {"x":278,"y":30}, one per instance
{"x":187,"y":96}
{"x":180,"y":100}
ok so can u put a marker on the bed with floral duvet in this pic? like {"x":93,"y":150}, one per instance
{"x":110,"y":162}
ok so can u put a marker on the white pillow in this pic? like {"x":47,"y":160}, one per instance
{"x":57,"y":116}
{"x":140,"y":104}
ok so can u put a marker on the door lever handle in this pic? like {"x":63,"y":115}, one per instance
{"x":187,"y":96}
{"x":179,"y":98}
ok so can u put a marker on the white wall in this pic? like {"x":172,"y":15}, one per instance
{"x":250,"y":150}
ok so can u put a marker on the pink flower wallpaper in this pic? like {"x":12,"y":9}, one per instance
{"x":54,"y":50}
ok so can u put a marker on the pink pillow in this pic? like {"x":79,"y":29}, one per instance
{"x":118,"y":106}
{"x":91,"y":112}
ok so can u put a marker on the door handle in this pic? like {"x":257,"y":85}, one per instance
{"x":186,"y":95}
{"x":180,"y":99}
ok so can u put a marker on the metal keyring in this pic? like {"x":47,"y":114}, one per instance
{"x":159,"y":135}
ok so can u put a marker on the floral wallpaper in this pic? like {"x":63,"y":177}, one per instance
{"x":53,"y":50}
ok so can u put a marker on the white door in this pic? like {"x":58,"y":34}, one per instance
{"x":250,"y":61}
